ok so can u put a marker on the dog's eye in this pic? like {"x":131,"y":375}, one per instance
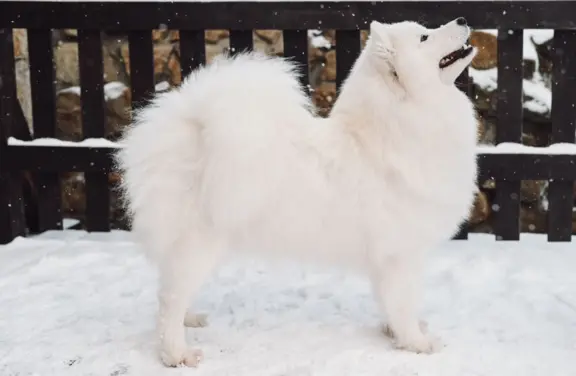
{"x":423,"y":38}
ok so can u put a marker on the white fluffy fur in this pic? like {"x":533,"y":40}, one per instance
{"x":235,"y":160}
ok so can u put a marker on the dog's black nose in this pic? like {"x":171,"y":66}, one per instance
{"x":461,"y":21}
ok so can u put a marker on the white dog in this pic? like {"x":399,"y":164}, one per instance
{"x":236,"y":160}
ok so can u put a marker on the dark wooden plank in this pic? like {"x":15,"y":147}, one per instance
{"x":42,"y":82}
{"x":43,"y":95}
{"x":7,"y":234}
{"x":91,"y":81}
{"x":509,"y":92}
{"x":517,"y":167}
{"x":560,"y":204}
{"x":241,"y":41}
{"x":20,"y":129}
{"x":192,"y":50}
{"x":19,"y":226}
{"x":58,"y":159}
{"x":506,"y":209}
{"x":504,"y":167}
{"x":462,"y":233}
{"x":11,"y":209}
{"x":8,"y":98}
{"x":93,"y":121}
{"x":508,"y":129}
{"x":560,"y":191}
{"x":347,"y":15}
{"x":29,"y":184}
{"x":141,"y":67}
{"x":463,"y":82}
{"x":296,"y":48}
{"x":7,"y":105}
{"x":347,"y":51}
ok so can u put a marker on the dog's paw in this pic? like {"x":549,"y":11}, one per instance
{"x":420,"y":344}
{"x":189,"y":357}
{"x":389,"y":333}
{"x":195,"y":320}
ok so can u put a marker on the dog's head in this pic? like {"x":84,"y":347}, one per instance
{"x":411,"y":51}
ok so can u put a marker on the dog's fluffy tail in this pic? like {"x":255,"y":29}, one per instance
{"x":160,"y":160}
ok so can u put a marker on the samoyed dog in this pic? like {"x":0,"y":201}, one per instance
{"x":235,"y":160}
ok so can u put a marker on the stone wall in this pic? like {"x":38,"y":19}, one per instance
{"x":322,"y":66}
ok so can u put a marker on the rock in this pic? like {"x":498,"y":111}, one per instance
{"x":67,"y":70}
{"x":213,"y":50}
{"x":22,"y":71}
{"x":329,"y":71}
{"x":544,"y":53}
{"x":167,"y":64}
{"x":481,"y":209}
{"x":20,"y":40}
{"x":114,"y":178}
{"x":487,"y":45}
{"x":66,"y":59}
{"x":531,"y":190}
{"x":528,"y":67}
{"x":323,"y":98}
{"x":364,"y":34}
{"x":488,"y":184}
{"x":532,"y":219}
{"x":269,"y":36}
{"x":319,"y":44}
{"x":73,"y":194}
{"x":269,"y":42}
{"x":481,"y":127}
{"x":165,"y":36}
{"x":70,"y":33}
{"x":69,"y":111}
{"x":484,"y":99}
{"x":69,"y":115}
{"x":118,"y":105}
{"x":216,"y":36}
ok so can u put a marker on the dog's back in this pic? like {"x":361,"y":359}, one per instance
{"x":197,"y":149}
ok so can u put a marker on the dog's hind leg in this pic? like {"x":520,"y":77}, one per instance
{"x":396,"y":281}
{"x":183,"y":270}
{"x":195,"y":320}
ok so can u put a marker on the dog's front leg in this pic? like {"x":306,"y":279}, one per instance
{"x":397,"y":284}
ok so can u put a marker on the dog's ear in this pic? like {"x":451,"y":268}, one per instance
{"x":380,"y":40}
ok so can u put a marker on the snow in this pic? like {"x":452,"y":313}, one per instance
{"x":317,"y":40}
{"x":72,"y":89}
{"x":486,"y":79}
{"x":503,"y":148}
{"x":69,"y":222}
{"x":89,"y":142}
{"x":540,"y":96}
{"x":560,"y":148}
{"x":84,"y":304}
{"x":112,"y":90}
{"x":162,"y":86}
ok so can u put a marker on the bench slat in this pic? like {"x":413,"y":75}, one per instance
{"x":560,"y":191}
{"x":93,"y":120}
{"x":508,"y":129}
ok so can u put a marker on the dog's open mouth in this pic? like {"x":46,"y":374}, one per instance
{"x":453,"y":57}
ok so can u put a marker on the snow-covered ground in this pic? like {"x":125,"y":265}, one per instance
{"x":73,"y":303}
